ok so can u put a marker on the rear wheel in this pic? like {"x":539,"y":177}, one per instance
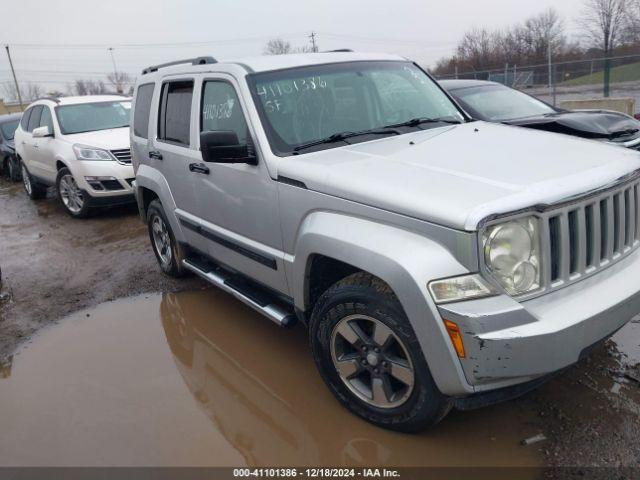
{"x":13,"y":169}
{"x":33,"y":189}
{"x":168,"y":252}
{"x":74,"y":200}
{"x":369,"y":356}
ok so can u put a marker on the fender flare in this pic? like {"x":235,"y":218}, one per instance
{"x":405,"y":260}
{"x":152,"y":179}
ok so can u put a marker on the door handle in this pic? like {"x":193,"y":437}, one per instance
{"x":156,"y":155}
{"x":199,"y":168}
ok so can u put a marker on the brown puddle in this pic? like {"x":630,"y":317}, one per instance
{"x":199,"y":379}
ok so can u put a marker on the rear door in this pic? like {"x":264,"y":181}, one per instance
{"x":173,"y":151}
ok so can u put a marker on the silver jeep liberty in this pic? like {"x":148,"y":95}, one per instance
{"x":437,"y":262}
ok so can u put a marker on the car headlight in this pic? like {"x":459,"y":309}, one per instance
{"x":512,"y":255}
{"x":84,"y":152}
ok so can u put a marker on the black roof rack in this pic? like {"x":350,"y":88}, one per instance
{"x":192,"y":61}
{"x":339,"y":50}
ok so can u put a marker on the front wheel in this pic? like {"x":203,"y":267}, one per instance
{"x":369,"y":356}
{"x":167,"y":251}
{"x":74,"y":200}
{"x":33,"y":189}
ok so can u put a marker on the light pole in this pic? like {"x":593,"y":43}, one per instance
{"x":115,"y":70}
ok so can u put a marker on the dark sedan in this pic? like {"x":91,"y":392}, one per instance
{"x":8,"y":160}
{"x":494,"y":102}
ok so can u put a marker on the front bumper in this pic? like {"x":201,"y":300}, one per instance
{"x":113,"y":179}
{"x":507,"y":342}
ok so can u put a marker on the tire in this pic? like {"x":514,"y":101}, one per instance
{"x":13,"y":169}
{"x":34,"y":190}
{"x":358,"y":307}
{"x":75,"y":201}
{"x":168,"y":252}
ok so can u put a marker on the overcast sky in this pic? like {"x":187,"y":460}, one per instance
{"x":54,"y":41}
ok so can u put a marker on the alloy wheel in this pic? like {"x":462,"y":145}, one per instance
{"x":71,"y":195}
{"x":161,"y":239}
{"x":26,"y":180}
{"x":372,"y":361}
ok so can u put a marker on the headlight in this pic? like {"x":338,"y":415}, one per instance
{"x":457,"y":289}
{"x":84,"y":152}
{"x":512,"y":255}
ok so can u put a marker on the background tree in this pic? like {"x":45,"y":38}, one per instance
{"x":88,"y":87}
{"x":121,"y":81}
{"x":29,"y":91}
{"x":604,"y":22}
{"x":278,"y":46}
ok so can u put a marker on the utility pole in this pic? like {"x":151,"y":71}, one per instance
{"x":550,"y":65}
{"x":115,"y":70}
{"x":314,"y":46}
{"x":14,"y":77}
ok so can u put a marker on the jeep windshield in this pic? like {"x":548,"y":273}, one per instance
{"x":89,"y":117}
{"x":327,"y":106}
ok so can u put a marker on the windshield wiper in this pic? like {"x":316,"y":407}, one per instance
{"x":339,"y":137}
{"x":414,"y":122}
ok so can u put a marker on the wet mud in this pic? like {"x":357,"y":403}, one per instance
{"x":196,"y":378}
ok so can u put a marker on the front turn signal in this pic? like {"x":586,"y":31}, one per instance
{"x":456,"y":337}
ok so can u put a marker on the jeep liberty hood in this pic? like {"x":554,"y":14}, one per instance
{"x":457,"y":175}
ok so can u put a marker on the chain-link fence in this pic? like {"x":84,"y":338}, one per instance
{"x":572,"y":80}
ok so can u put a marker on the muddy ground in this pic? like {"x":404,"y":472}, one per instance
{"x":54,"y":266}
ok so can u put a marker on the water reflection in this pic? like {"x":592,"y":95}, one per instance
{"x":259,"y":387}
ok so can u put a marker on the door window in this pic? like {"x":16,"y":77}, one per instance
{"x":34,"y":119}
{"x":174,"y":123}
{"x":45,"y":119}
{"x":221,"y":110}
{"x":24,"y":121}
{"x":143,"y":110}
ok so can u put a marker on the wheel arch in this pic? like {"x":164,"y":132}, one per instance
{"x":402,"y":259}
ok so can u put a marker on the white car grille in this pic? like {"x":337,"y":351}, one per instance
{"x":122,"y":156}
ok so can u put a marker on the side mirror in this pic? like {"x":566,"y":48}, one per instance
{"x":41,"y":132}
{"x":223,"y":147}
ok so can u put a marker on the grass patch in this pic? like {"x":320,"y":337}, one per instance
{"x":623,"y":73}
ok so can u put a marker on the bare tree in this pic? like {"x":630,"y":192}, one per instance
{"x":278,"y":46}
{"x":89,"y":87}
{"x":120,"y":81}
{"x":632,"y":27}
{"x":543,"y":31}
{"x":33,"y":92}
{"x":604,"y":23}
{"x":29,"y":91}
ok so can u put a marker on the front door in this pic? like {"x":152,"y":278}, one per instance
{"x":238,"y":203}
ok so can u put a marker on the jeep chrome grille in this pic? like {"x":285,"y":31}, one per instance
{"x":585,"y":237}
{"x":123,"y":155}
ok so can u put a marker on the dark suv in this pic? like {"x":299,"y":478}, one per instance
{"x":9,"y":164}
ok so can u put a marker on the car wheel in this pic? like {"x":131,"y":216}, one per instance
{"x":33,"y":189}
{"x":168,"y":252}
{"x":13,"y":169}
{"x":368,"y":355}
{"x":74,"y":200}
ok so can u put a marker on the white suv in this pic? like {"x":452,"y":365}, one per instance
{"x":81,"y":146}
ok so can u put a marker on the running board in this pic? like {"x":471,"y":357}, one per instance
{"x":256,"y":298}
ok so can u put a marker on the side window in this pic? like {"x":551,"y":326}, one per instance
{"x":221,"y":110}
{"x":24,"y":122}
{"x":143,"y":110}
{"x":174,"y":124}
{"x":45,"y":119}
{"x":34,"y":119}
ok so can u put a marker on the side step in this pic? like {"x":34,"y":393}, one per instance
{"x":256,"y":297}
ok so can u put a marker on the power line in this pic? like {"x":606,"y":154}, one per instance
{"x":148,"y":45}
